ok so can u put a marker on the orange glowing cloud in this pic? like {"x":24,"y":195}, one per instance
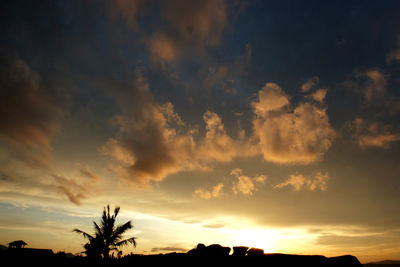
{"x":310,"y":83}
{"x":77,"y":189}
{"x":244,"y":184}
{"x":162,"y":47}
{"x":153,"y":141}
{"x":201,"y":21}
{"x":370,"y":83}
{"x":208,"y":194}
{"x":29,"y":112}
{"x":373,"y":134}
{"x":299,"y":182}
{"x":299,"y":135}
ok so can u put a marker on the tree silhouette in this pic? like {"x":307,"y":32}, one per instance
{"x":107,"y":236}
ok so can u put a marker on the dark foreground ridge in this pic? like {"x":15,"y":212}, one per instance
{"x":213,"y":255}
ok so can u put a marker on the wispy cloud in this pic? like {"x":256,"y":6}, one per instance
{"x":300,"y":182}
{"x":373,"y":134}
{"x":369,"y":83}
{"x":77,"y":189}
{"x":169,"y":249}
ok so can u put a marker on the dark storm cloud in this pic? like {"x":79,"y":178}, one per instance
{"x":29,"y":111}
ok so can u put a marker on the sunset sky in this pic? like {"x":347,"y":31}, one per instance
{"x":272,"y":124}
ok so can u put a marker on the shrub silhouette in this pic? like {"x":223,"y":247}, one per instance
{"x":17,"y":244}
{"x":107,"y":236}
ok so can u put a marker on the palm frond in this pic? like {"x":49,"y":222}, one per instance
{"x":85,"y":235}
{"x":107,"y":236}
{"x":128,"y":241}
{"x":121,"y":229}
{"x":98,"y":229}
{"x":116,"y":211}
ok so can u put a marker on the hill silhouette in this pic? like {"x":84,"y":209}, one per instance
{"x":384,"y":263}
{"x":212,"y":255}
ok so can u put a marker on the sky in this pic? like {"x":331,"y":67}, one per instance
{"x":270,"y":124}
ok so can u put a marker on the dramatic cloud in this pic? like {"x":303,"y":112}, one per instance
{"x":147,"y":146}
{"x":300,"y":135}
{"x":208,"y":194}
{"x":29,"y":112}
{"x":299,"y":182}
{"x":310,"y":83}
{"x":153,"y":142}
{"x":244,"y":184}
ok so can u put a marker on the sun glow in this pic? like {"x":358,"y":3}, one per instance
{"x":258,"y":238}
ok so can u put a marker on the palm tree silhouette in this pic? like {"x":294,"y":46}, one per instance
{"x":107,"y":236}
